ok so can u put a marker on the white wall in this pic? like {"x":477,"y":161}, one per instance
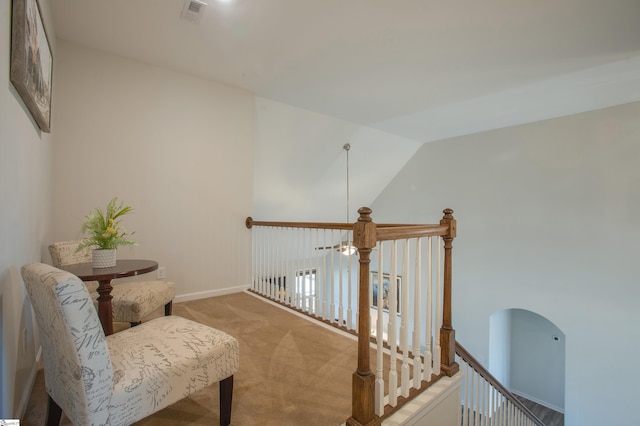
{"x":548,"y":221}
{"x":25,"y":222}
{"x":300,"y":167}
{"x":177,"y":148}
{"x":500,"y":346}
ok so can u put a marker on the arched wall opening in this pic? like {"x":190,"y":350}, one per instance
{"x":527,"y":354}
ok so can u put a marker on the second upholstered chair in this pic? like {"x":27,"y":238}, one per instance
{"x":132,"y":301}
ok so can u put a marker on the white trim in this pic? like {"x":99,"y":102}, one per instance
{"x":537,"y":401}
{"x":209,"y":293}
{"x":307,"y":317}
{"x":419,"y":407}
{"x":31,"y":381}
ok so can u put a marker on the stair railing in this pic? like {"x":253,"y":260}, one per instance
{"x":295,"y":263}
{"x":485,"y":401}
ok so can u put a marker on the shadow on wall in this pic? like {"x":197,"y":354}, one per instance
{"x":527,"y":354}
{"x":19,"y":365}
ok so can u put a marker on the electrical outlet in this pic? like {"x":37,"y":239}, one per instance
{"x":161,"y":273}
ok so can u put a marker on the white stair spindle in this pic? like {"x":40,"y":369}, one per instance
{"x":417,"y":363}
{"x":428,"y":354}
{"x":393,"y":339}
{"x":349,"y":284}
{"x":404,"y":323}
{"x":325,"y":278}
{"x":340,"y":290}
{"x":379,"y":402}
{"x":467,"y":383}
{"x":332,"y":287}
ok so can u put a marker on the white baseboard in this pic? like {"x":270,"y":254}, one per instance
{"x":209,"y":293}
{"x":538,"y":401}
{"x":31,"y":381}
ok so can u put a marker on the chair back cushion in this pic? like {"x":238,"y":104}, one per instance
{"x":64,"y":253}
{"x":77,"y":365}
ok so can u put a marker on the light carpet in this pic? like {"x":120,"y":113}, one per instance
{"x":292,"y":371}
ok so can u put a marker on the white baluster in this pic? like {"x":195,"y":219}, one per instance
{"x":274,"y":262}
{"x":340,"y":289}
{"x":486,"y":402}
{"x":349,"y":284}
{"x":512,"y":413}
{"x":299,"y":243}
{"x":493,"y":406}
{"x":393,"y":339}
{"x":333,"y":281}
{"x":279,"y":256}
{"x":269,"y":259}
{"x":417,"y":363}
{"x":428,"y":355}
{"x":467,"y":384}
{"x":316,"y":286}
{"x":284,"y":293}
{"x":472,"y":396}
{"x":379,"y":402}
{"x":404,"y":323}
{"x":256,"y":257}
{"x":306,"y":265}
{"x":263,"y":260}
{"x":325,"y":277}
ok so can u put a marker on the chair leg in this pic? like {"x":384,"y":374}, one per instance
{"x":226,"y":396}
{"x":54,"y":413}
{"x":168,"y":308}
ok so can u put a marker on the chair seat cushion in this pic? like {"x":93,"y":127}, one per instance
{"x":164,"y":360}
{"x":132,"y":301}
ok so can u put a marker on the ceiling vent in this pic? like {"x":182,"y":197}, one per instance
{"x":193,"y":10}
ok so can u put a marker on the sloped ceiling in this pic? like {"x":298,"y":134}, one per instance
{"x":384,"y":75}
{"x":421,"y":69}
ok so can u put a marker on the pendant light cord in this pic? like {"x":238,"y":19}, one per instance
{"x":347,"y":147}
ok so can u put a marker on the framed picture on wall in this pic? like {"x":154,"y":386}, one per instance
{"x":386,"y":280}
{"x":31,"y":61}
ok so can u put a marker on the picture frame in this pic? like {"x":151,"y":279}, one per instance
{"x":31,"y":61}
{"x":386,"y":280}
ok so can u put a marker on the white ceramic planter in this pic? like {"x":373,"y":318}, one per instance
{"x":103,"y":258}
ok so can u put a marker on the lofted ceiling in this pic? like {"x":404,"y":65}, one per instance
{"x":421,"y":69}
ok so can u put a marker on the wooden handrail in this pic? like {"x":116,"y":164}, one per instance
{"x":484,"y":373}
{"x":387,"y":231}
{"x":249,"y":223}
{"x":398,"y":232}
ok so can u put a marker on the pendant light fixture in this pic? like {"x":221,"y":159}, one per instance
{"x":347,"y":248}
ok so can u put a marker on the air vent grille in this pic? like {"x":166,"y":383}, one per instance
{"x":193,"y":10}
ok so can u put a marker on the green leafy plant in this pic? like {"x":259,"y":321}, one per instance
{"x":104,"y":229}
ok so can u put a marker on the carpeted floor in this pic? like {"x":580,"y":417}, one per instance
{"x":292,"y":372}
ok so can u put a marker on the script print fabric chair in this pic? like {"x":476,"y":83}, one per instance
{"x":132,"y":301}
{"x":122,"y":378}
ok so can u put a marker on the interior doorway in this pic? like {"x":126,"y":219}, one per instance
{"x":527,"y":354}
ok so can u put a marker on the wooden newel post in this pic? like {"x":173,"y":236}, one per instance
{"x":447,"y":333}
{"x":363,"y":384}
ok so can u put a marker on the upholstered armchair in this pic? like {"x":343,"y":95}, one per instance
{"x":122,"y":378}
{"x":131,"y":301}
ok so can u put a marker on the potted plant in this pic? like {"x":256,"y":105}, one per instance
{"x":105,"y":233}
